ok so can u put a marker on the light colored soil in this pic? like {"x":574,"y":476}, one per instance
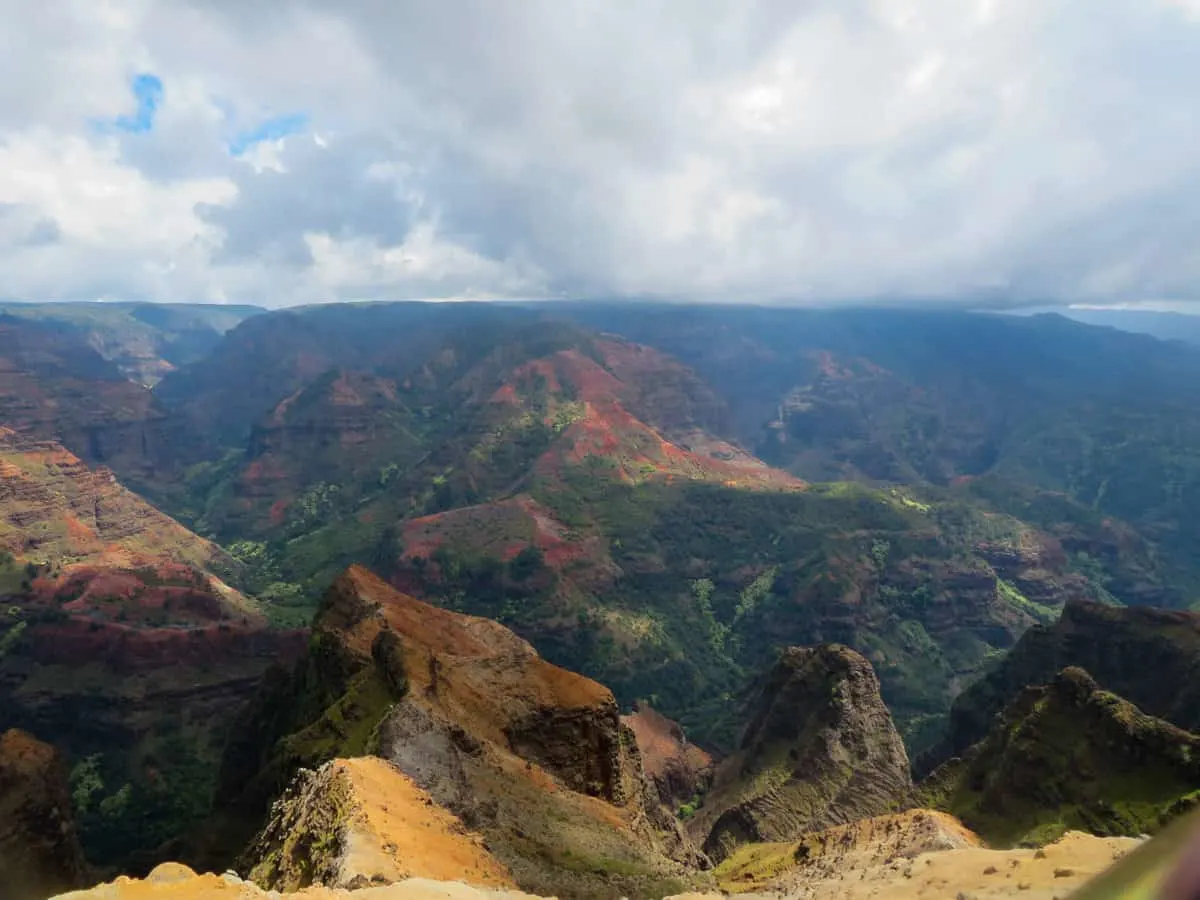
{"x":398,"y":832}
{"x":172,"y":881}
{"x":974,"y":872}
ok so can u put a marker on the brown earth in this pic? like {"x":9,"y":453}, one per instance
{"x":39,"y":850}
{"x":678,"y":768}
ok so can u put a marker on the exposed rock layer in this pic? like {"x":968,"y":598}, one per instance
{"x":820,"y":750}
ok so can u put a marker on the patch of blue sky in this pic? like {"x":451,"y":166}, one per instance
{"x":148,"y":91}
{"x":270,"y":130}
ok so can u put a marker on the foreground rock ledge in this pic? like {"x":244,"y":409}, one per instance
{"x":178,"y":882}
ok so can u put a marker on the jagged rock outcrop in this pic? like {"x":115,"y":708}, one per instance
{"x":678,"y":769}
{"x":359,"y":822}
{"x":39,"y":850}
{"x":1151,"y":657}
{"x":820,"y":750}
{"x":532,"y":756}
{"x":1069,"y":755}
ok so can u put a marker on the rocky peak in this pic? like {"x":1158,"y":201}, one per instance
{"x":532,"y":756}
{"x":477,"y":673}
{"x":1113,"y":644}
{"x":39,"y":851}
{"x":820,"y":749}
{"x":1070,"y":755}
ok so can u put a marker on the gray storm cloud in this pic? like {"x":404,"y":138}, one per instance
{"x":821,"y":151}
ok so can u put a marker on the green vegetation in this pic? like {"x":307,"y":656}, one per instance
{"x":118,"y":815}
{"x":1009,"y":594}
{"x":685,"y":590}
{"x":1069,"y":756}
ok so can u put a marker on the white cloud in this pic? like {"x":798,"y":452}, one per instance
{"x":770,"y":149}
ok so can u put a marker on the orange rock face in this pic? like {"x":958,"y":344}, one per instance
{"x":533,"y":757}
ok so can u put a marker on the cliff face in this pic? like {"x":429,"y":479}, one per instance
{"x":39,"y":850}
{"x":56,"y":510}
{"x":119,"y":643}
{"x":53,"y":386}
{"x":533,"y":757}
{"x":820,"y":750}
{"x":1151,"y":657}
{"x":1069,"y":755}
{"x":678,"y":769}
{"x":345,"y":428}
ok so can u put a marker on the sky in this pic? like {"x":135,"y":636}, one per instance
{"x":962,"y":152}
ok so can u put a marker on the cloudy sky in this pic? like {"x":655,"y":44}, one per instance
{"x":764,"y":150}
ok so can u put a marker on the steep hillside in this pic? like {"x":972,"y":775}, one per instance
{"x":141,"y":709}
{"x":1110,"y":418}
{"x":1151,"y":657}
{"x":144,"y":340}
{"x":1070,"y":756}
{"x":532,"y":756}
{"x":268,"y":358}
{"x":467,"y":420}
{"x":819,"y":750}
{"x":678,"y":591}
{"x":53,"y":386}
{"x":39,"y":850}
{"x":58,"y":512}
{"x":120,"y":644}
{"x":679,"y":770}
{"x":344,"y":434}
